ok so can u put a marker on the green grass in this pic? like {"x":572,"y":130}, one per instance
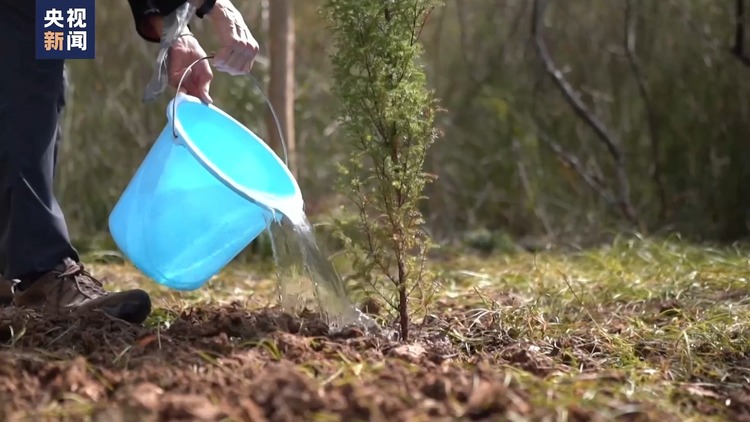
{"x":670,"y":319}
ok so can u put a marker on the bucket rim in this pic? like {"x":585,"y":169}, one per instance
{"x":263,"y":199}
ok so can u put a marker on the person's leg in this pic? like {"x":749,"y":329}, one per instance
{"x":34,"y":241}
{"x":34,"y":233}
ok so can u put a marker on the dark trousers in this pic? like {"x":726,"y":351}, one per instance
{"x":33,"y":233}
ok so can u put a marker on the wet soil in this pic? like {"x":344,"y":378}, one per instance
{"x":231,"y":363}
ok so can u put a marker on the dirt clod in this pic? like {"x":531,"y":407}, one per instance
{"x":409,"y":352}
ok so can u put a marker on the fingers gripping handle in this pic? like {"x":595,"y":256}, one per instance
{"x":257,"y":84}
{"x":177,"y":92}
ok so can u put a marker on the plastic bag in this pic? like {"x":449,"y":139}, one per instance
{"x":174,"y":25}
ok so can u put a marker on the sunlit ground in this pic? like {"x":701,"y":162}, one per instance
{"x":645,"y":330}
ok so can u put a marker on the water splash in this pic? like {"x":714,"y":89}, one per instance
{"x":308,"y":279}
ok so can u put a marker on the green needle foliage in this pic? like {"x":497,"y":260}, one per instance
{"x":387,"y":115}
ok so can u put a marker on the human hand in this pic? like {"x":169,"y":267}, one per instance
{"x":238,"y":47}
{"x":183,"y":52}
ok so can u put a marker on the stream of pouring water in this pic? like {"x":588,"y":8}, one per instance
{"x":303,"y":269}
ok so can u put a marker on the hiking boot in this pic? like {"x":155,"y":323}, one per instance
{"x":6,"y":292}
{"x":70,"y":288}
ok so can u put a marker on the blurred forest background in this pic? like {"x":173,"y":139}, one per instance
{"x":598,"y":117}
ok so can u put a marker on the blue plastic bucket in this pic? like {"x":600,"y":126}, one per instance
{"x":197,"y":200}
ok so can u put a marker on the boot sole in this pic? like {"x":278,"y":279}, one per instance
{"x":134,"y":308}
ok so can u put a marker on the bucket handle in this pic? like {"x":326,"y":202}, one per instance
{"x":257,"y":84}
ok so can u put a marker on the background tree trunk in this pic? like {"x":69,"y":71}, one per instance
{"x":281,"y":92}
